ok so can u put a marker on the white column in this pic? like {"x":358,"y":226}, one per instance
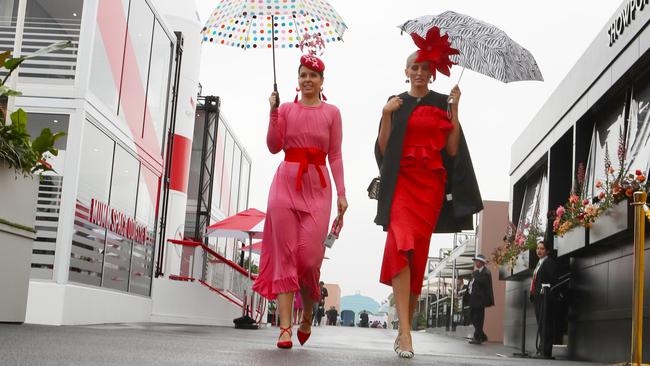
{"x":69,"y":196}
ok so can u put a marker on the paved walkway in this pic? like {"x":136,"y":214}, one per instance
{"x":164,"y":344}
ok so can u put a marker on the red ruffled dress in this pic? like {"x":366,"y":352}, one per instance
{"x":418,"y":196}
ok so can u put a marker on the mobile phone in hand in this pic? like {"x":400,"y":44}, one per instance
{"x":334,"y":232}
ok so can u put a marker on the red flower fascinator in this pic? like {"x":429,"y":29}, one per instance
{"x":435,"y":50}
{"x":312,"y":62}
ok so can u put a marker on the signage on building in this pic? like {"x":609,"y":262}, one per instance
{"x":625,"y":17}
{"x":109,"y":218}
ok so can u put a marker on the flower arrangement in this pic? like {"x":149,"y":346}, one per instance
{"x":616,"y":188}
{"x":517,"y":241}
{"x":576,"y":211}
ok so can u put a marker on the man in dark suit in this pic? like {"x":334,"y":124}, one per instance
{"x":544,"y":276}
{"x":480,"y":297}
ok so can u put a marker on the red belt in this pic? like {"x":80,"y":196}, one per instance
{"x":306,"y":156}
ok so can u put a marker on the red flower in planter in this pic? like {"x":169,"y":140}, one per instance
{"x":640,"y":178}
{"x":638,"y":172}
{"x":629,"y":192}
{"x":45,"y":164}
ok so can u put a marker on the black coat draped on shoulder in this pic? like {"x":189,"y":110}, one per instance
{"x":462,"y":196}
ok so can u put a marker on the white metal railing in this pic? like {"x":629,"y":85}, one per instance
{"x":59,"y":66}
{"x":194,"y":261}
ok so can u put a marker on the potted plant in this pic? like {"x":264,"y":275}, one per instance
{"x":20,"y":157}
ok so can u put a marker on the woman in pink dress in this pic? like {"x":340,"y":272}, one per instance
{"x":300,"y":198}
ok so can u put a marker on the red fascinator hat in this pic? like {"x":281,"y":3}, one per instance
{"x":435,"y":50}
{"x":312,"y":62}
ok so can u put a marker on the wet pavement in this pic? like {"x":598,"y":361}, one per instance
{"x":165,"y":344}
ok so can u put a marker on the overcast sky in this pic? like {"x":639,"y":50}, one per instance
{"x":368,"y":67}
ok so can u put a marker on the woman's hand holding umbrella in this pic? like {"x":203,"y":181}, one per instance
{"x":452,"y":100}
{"x":274,"y":100}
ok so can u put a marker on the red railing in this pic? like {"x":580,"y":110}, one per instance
{"x":217,"y":273}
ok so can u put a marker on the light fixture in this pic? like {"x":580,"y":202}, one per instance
{"x":56,"y":121}
{"x":74,"y":14}
{"x":95,"y":149}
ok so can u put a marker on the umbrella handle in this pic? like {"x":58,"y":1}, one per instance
{"x":451,"y":100}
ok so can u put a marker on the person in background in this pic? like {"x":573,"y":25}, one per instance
{"x":332,"y":315}
{"x":481,"y":296}
{"x":544,"y":276}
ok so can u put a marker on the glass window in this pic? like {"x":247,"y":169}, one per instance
{"x":234,"y":183}
{"x":219,"y":155}
{"x":60,"y":20}
{"x":143,"y":250}
{"x":124,"y":185}
{"x":108,"y":56}
{"x":158,"y":88}
{"x":638,"y":136}
{"x":49,"y":195}
{"x":609,"y":132}
{"x":226,"y":173}
{"x":36,"y":122}
{"x":243,"y":184}
{"x":136,"y":66}
{"x":8,"y":13}
{"x":8,"y":17}
{"x":534,"y":207}
{"x":94,"y":182}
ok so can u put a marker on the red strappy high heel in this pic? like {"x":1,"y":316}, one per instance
{"x":302,"y":336}
{"x":285,"y":344}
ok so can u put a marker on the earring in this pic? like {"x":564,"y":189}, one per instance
{"x":430,"y":81}
{"x":295,"y":100}
{"x":323,"y":97}
{"x":407,"y":81}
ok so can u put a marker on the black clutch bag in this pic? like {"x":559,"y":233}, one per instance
{"x":373,"y":188}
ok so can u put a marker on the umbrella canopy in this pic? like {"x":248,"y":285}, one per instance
{"x":250,"y":24}
{"x":244,"y":225}
{"x":254,"y":248}
{"x":483,"y":47}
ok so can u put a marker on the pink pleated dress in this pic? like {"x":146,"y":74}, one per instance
{"x":298,"y":214}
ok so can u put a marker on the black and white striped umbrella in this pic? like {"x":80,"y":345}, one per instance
{"x":483,"y":47}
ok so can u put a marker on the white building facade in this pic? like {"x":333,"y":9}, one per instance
{"x":121,"y":94}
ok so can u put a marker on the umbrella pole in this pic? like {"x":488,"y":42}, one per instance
{"x":275,"y":84}
{"x":461,"y":75}
{"x":250,"y":255}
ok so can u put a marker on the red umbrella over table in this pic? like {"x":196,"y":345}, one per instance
{"x":246,"y":225}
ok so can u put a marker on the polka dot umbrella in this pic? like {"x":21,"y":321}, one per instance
{"x":271,"y":24}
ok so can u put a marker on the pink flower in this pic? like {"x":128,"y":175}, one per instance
{"x":559,"y":212}
{"x":599,"y":184}
{"x":574,"y":199}
{"x":585,"y":202}
{"x":601,"y":195}
{"x":638,"y":172}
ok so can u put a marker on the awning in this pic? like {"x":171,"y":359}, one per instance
{"x":463,"y":254}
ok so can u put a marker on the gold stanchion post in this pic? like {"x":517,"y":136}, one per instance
{"x":637,"y":309}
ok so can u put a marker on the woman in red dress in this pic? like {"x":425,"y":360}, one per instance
{"x":420,"y":189}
